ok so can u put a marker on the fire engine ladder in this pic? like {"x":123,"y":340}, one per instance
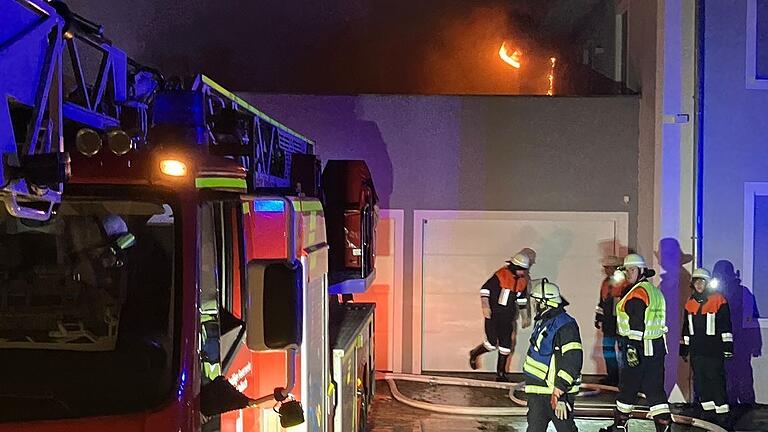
{"x":33,"y":103}
{"x":262,"y":144}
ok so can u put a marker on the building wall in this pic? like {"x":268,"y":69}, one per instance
{"x":642,"y":71}
{"x":477,"y":153}
{"x":735,"y":152}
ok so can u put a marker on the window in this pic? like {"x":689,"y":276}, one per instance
{"x":220,"y":284}
{"x":756,"y":247}
{"x":87,"y":308}
{"x":621,"y":38}
{"x":624,"y":46}
{"x":757,"y":44}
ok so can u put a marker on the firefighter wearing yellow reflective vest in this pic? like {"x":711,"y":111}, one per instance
{"x":501,"y":297}
{"x":641,"y":324}
{"x":553,"y":365}
{"x":708,"y":340}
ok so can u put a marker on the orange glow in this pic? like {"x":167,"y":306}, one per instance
{"x":173,"y":168}
{"x":511,"y":59}
{"x":551,"y":77}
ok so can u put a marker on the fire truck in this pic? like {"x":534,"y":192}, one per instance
{"x":166,"y":263}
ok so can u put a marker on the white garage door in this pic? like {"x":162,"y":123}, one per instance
{"x":460,"y":250}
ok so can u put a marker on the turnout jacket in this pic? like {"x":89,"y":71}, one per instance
{"x":605,"y":313}
{"x":641,"y":319}
{"x":506,"y":292}
{"x":706,"y":326}
{"x":555,"y":354}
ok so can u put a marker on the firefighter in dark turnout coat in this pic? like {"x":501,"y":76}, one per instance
{"x":605,"y":318}
{"x":553,"y":365}
{"x":501,"y":297}
{"x":708,"y":341}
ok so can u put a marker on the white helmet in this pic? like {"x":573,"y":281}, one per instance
{"x":701,"y":273}
{"x":521,"y":260}
{"x":530,"y":253}
{"x":634,"y":260}
{"x":545,"y":291}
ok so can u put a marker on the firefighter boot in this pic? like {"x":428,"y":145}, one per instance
{"x":501,"y":368}
{"x":475,"y":353}
{"x":725,"y":421}
{"x":619,"y":423}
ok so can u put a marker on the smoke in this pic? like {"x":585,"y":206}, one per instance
{"x":430,"y":47}
{"x":329,"y":46}
{"x":464,"y":56}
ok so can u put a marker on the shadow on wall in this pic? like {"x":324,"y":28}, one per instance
{"x":367,"y":143}
{"x":747,"y":338}
{"x":336,"y":125}
{"x":675,"y":284}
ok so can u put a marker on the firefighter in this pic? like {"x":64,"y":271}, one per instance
{"x":553,"y":365}
{"x":708,"y":341}
{"x":501,"y":297}
{"x":605,"y":318}
{"x":118,"y":240}
{"x":641,"y":325}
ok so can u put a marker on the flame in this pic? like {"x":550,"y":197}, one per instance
{"x":551,"y":77}
{"x":511,"y":59}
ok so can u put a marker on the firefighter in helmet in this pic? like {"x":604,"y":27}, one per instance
{"x":118,"y":241}
{"x":501,"y":297}
{"x":708,"y":341}
{"x":641,"y":322}
{"x":605,"y":318}
{"x":553,"y":365}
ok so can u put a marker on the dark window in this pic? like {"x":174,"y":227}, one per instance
{"x":86,"y":310}
{"x":761,"y":35}
{"x":760,"y":253}
{"x":624,"y":47}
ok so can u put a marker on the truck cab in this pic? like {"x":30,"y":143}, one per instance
{"x":164,"y":253}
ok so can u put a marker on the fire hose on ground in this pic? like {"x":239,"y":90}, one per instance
{"x":583,"y":410}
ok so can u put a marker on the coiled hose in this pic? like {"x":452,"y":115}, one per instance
{"x":584,"y":410}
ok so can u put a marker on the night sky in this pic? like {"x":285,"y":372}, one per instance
{"x":331,"y":46}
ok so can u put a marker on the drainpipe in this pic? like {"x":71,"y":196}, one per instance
{"x":698,"y":168}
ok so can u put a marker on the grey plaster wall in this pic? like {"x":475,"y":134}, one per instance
{"x":478,"y":153}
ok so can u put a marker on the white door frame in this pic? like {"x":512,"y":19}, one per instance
{"x":751,"y":190}
{"x":395,"y":341}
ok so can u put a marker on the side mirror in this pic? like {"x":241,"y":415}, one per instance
{"x":275,"y":305}
{"x":219,"y":396}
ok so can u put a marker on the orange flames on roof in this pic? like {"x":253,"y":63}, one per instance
{"x":551,"y":77}
{"x":512,"y":59}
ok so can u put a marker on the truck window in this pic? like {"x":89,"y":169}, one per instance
{"x":86,"y":310}
{"x":220,"y":284}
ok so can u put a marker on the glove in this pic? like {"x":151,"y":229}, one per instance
{"x":632,"y":358}
{"x":486,"y":307}
{"x":598,"y":324}
{"x":561,"y":408}
{"x":525,"y":319}
{"x":685,"y":358}
{"x":728,"y":355}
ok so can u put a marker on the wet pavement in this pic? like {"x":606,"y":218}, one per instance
{"x":389,"y":415}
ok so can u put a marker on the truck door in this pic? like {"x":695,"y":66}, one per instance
{"x":221,"y":310}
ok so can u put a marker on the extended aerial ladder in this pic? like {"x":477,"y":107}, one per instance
{"x":41,"y":43}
